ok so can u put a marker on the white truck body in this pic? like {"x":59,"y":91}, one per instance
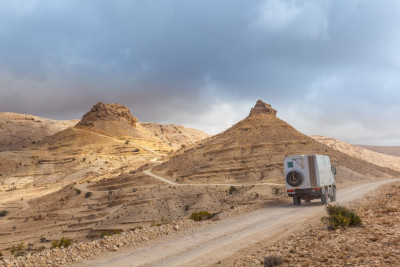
{"x":309,"y":177}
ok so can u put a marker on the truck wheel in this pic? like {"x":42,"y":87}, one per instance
{"x":333,"y":197}
{"x":294,"y":178}
{"x":296,"y":201}
{"x":324,"y":198}
{"x":307,"y":200}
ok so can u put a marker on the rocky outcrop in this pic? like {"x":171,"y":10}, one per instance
{"x":262,"y":108}
{"x":106,"y":112}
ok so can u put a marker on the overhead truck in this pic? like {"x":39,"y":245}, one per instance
{"x":309,"y":177}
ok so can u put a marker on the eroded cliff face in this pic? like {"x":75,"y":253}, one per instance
{"x":262,"y":108}
{"x":110,"y":112}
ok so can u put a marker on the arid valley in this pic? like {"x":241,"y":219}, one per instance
{"x":112,"y":184}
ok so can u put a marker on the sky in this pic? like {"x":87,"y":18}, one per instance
{"x":328,"y":67}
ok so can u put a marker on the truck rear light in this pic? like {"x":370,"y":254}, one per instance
{"x":290,"y":190}
{"x":317,"y":188}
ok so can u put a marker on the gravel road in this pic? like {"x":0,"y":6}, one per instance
{"x":207,"y":246}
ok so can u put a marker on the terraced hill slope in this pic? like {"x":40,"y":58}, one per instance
{"x":253,"y":150}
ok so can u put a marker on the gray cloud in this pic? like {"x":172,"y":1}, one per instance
{"x":329,"y":67}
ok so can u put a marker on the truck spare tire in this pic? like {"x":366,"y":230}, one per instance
{"x":294,"y":178}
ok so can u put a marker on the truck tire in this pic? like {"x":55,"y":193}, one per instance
{"x":324,"y":197}
{"x":294,"y":178}
{"x":296,"y":201}
{"x":333,"y":197}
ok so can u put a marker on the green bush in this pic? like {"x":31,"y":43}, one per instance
{"x":63,"y":242}
{"x":272,"y":261}
{"x":201,"y":216}
{"x":232,"y":189}
{"x":17,"y":250}
{"x":340,"y":217}
{"x":88,"y":194}
{"x":110,"y":233}
{"x":3,"y":213}
{"x":275,"y":191}
{"x":78,"y":191}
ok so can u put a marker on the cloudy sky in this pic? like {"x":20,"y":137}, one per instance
{"x":328,"y":67}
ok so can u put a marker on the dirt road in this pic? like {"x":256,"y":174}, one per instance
{"x":165,"y":180}
{"x":212,"y":243}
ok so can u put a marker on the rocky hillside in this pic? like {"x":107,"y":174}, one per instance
{"x":360,"y":152}
{"x":253,"y":150}
{"x":388,"y":150}
{"x":175,"y":136}
{"x":107,"y":138}
{"x":20,"y":130}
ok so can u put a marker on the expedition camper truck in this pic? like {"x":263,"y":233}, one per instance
{"x":309,"y":177}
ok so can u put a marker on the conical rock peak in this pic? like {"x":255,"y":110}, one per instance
{"x":262,"y":108}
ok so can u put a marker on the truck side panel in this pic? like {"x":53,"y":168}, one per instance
{"x":324,"y":171}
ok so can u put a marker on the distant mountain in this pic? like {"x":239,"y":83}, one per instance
{"x":388,"y":150}
{"x":360,"y":152}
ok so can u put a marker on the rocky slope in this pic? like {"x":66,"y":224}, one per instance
{"x":21,"y":130}
{"x":359,"y":152}
{"x":175,"y":136}
{"x":388,"y":150}
{"x":253,"y":150}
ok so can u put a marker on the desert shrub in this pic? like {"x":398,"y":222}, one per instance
{"x":275,"y":191}
{"x":340,"y":217}
{"x":17,"y":250}
{"x":110,"y":233}
{"x":201,"y":216}
{"x":272,"y":260}
{"x":126,"y":142}
{"x":63,"y":242}
{"x":136,"y":150}
{"x":78,"y":191}
{"x":43,"y":239}
{"x":187,"y":207}
{"x":232,"y":189}
{"x":88,"y":194}
{"x":3,"y":213}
